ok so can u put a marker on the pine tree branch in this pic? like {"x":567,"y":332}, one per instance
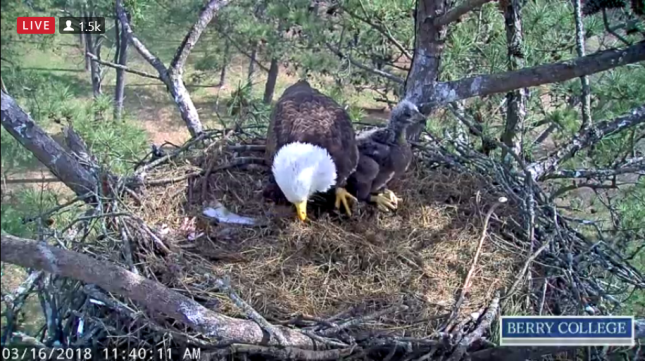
{"x":62,"y":164}
{"x":595,"y":173}
{"x":585,"y":139}
{"x":141,"y":49}
{"x":205,"y":17}
{"x":382,"y":73}
{"x":432,"y":95}
{"x":455,"y":13}
{"x":122,"y":67}
{"x":381,"y":30}
{"x":151,"y":294}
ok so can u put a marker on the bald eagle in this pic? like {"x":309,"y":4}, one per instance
{"x":311,"y":147}
{"x":384,"y":154}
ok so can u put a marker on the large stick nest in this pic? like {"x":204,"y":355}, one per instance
{"x":418,"y":256}
{"x":410,"y":284}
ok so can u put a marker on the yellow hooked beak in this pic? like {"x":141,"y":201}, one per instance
{"x":301,"y":209}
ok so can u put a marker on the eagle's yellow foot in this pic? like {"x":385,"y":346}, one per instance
{"x":392,"y":197}
{"x":341,"y":197}
{"x":383,"y":203}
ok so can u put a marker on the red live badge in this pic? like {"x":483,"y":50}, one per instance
{"x":36,"y":25}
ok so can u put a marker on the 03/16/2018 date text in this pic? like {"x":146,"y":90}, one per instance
{"x":111,"y":354}
{"x":54,"y":353}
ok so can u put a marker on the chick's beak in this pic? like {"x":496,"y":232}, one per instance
{"x":301,"y":209}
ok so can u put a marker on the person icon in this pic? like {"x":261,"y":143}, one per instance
{"x":68,"y":26}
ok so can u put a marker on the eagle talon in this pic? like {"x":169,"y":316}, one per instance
{"x":383,"y":203}
{"x":392,"y":197}
{"x":341,"y":197}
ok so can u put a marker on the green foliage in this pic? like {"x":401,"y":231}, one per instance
{"x":28,"y":202}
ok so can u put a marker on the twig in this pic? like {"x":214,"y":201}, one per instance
{"x":466,"y":286}
{"x":121,"y":67}
{"x":527,"y":264}
{"x":169,"y":156}
{"x":486,"y":321}
{"x":385,"y":32}
{"x":360,"y":320}
{"x":382,"y":73}
{"x":225,"y":287}
{"x":55,"y":209}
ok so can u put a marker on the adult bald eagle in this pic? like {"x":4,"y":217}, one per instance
{"x":384,"y":154}
{"x":311,"y":147}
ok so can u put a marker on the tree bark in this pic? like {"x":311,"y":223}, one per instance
{"x":94,"y":47}
{"x":433,"y":95}
{"x":428,"y":48}
{"x":119,"y":91}
{"x":153,"y":295}
{"x":584,"y":81}
{"x":272,"y":78}
{"x":252,"y":61}
{"x":227,"y":54}
{"x":516,"y":99}
{"x":62,"y":164}
{"x":584,"y":139}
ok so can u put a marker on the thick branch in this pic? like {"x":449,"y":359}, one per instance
{"x":205,"y":17}
{"x":141,"y":49}
{"x":448,"y":92}
{"x":62,"y":164}
{"x":455,"y":13}
{"x":153,"y":295}
{"x":382,"y":73}
{"x":119,"y":66}
{"x":586,"y":139}
{"x":595,"y":173}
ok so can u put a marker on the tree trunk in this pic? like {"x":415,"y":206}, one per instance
{"x":63,"y":165}
{"x":428,"y":44}
{"x":269,"y":89}
{"x":119,"y":91}
{"x":117,"y":40}
{"x":516,"y":99}
{"x":249,"y":77}
{"x":186,"y":106}
{"x":88,"y":62}
{"x":584,"y":80}
{"x":95,"y":67}
{"x":227,"y":54}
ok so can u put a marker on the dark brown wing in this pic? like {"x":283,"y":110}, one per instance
{"x":304,"y":114}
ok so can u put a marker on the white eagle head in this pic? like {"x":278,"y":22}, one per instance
{"x":302,"y":169}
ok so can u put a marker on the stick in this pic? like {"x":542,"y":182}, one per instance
{"x":225,"y":287}
{"x":359,"y":320}
{"x":486,"y":321}
{"x":466,"y":287}
{"x":122,"y":67}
